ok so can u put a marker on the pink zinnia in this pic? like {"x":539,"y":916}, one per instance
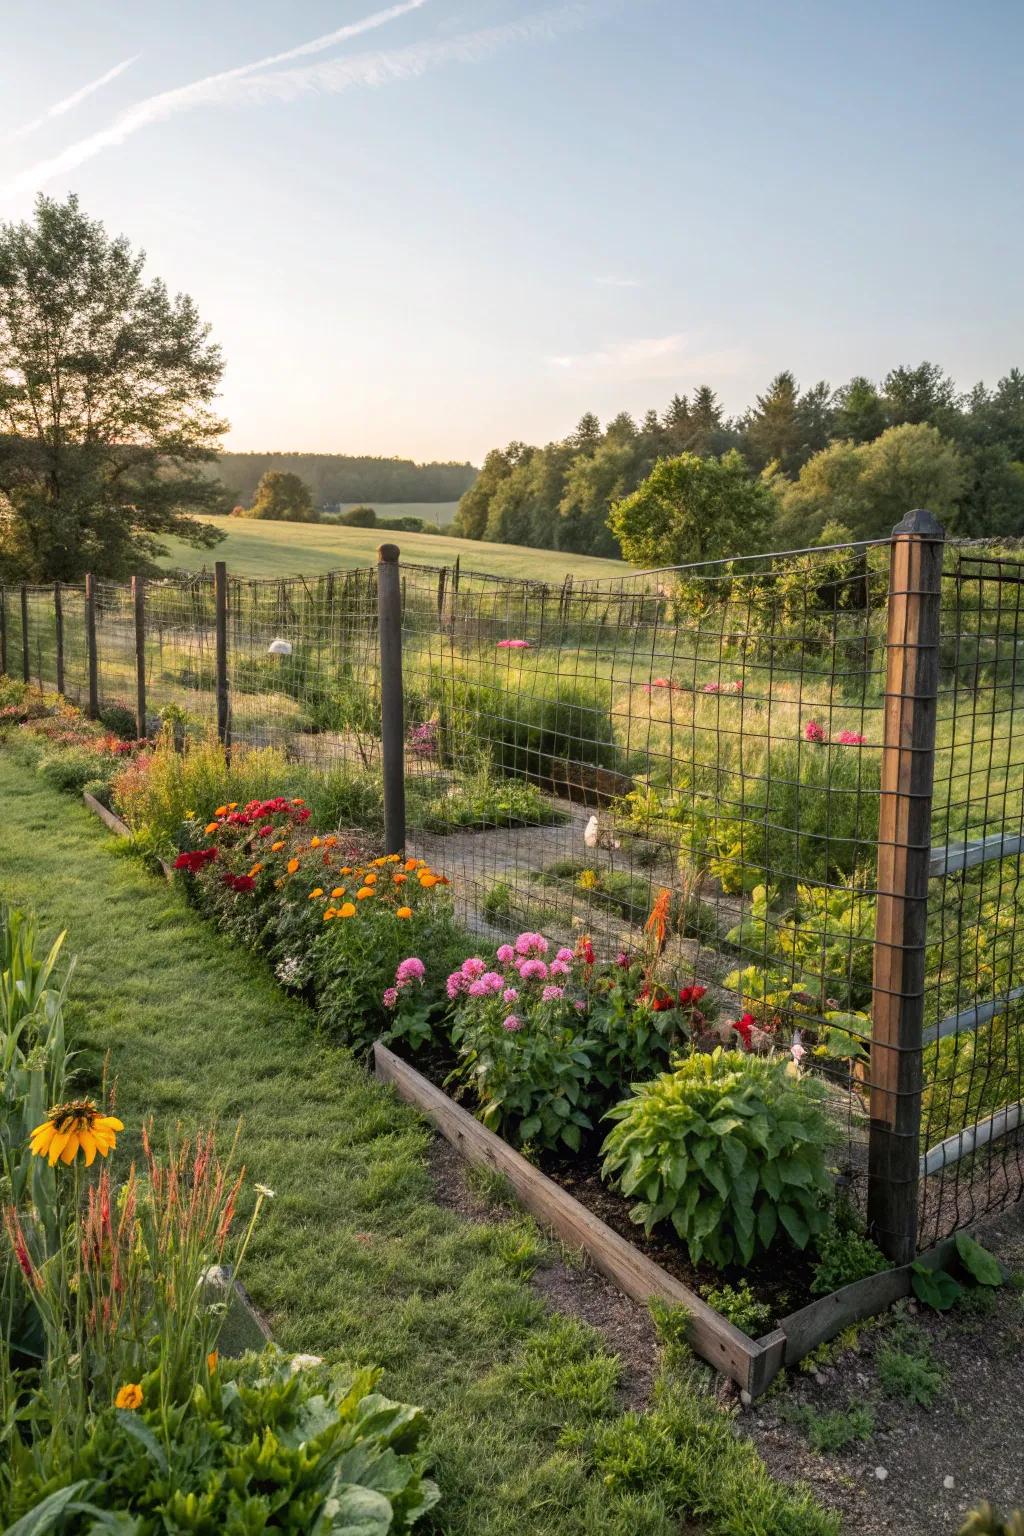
{"x":512,"y":1023}
{"x":473,"y":967}
{"x":580,"y":1006}
{"x":506,"y":954}
{"x":455,"y":984}
{"x":492,"y":981}
{"x":533,"y":970}
{"x":390,"y":997}
{"x":410,"y":970}
{"x":510,"y":994}
{"x":479,"y":988}
{"x":559,"y":968}
{"x":851,"y":739}
{"x":531,"y":944}
{"x":513,"y":645}
{"x":814,"y":732}
{"x":552,"y":994}
{"x":567,"y":956}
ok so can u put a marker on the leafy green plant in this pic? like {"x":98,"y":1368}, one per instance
{"x":981,"y":1265}
{"x":740,"y":1306}
{"x":910,"y":1374}
{"x":935,"y":1287}
{"x":482,"y":798}
{"x":260,"y":1446}
{"x":835,"y":1430}
{"x":730,"y":1148}
{"x":844,"y":1256}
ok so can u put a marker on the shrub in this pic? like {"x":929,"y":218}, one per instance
{"x":358,"y":517}
{"x":729,"y":1148}
{"x":120,"y":719}
{"x":740,"y":1306}
{"x":528,"y":731}
{"x":843,"y":1257}
{"x":259,"y":1446}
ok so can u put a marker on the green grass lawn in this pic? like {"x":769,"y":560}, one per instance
{"x":355,"y":1260}
{"x":288,"y":549}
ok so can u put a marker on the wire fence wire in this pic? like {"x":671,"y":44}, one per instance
{"x":686,"y":763}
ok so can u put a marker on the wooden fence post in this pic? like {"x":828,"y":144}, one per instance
{"x":904,"y":846}
{"x":139,"y":606}
{"x":392,"y":727}
{"x":220,"y":598}
{"x":58,"y":625}
{"x":26,"y":666}
{"x":90,"y":647}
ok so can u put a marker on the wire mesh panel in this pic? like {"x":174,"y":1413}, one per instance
{"x":973,"y":1130}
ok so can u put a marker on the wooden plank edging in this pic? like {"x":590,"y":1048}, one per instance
{"x":117,"y":826}
{"x":750,"y":1363}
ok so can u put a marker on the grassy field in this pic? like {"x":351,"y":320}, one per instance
{"x":356,"y":1261}
{"x":440,"y":513}
{"x":289,"y":549}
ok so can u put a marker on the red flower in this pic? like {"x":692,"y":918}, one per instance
{"x":585,"y":950}
{"x":194,"y":861}
{"x":743,"y":1028}
{"x":240,"y":882}
{"x":690,"y":995}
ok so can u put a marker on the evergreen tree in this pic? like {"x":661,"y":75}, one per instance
{"x":772,"y":428}
{"x":860,"y":412}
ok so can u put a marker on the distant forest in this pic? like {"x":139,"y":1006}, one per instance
{"x":850,"y":461}
{"x":335,"y":478}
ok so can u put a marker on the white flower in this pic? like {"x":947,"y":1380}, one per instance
{"x":267,"y":1194}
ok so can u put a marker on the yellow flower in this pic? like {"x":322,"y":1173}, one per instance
{"x":221,"y":810}
{"x":232,"y":805}
{"x":404,"y":912}
{"x":73,"y":1126}
{"x":293,"y":865}
{"x":255,"y":871}
{"x":347,"y":909}
{"x":412,"y":863}
{"x":129,"y":1396}
{"x":315,"y":893}
{"x":370,"y":879}
{"x":339,"y":890}
{"x":428,"y":881}
{"x":331,"y":912}
{"x":314,"y":842}
{"x":363,"y":892}
{"x":379,"y":863}
{"x":211,"y":1361}
{"x":393,"y":858}
{"x":346,"y":869}
{"x":211,"y":827}
{"x":276,"y":847}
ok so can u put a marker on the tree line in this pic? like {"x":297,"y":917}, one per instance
{"x":795,"y":463}
{"x":337,"y":478}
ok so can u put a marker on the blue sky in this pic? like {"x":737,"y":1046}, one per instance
{"x":472,"y":220}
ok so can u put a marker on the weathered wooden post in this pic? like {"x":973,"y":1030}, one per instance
{"x":90,"y":647}
{"x":26,"y":661}
{"x":392,"y":725}
{"x":58,"y":626}
{"x":220,"y":600}
{"x":139,"y":606}
{"x":904,"y":847}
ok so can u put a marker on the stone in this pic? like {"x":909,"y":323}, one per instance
{"x":881,"y":1474}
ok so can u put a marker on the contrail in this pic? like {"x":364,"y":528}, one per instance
{"x":245,"y":85}
{"x":60,"y":107}
{"x":213,"y":88}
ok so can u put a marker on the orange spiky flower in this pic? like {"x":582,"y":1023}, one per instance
{"x":657,"y":923}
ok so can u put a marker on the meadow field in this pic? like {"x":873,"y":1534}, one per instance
{"x":289,"y":549}
{"x":440,"y":513}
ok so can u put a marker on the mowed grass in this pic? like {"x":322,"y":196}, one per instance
{"x":355,"y":1260}
{"x":290,"y":549}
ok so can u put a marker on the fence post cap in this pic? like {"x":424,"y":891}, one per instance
{"x":388,"y":554}
{"x":921,"y":522}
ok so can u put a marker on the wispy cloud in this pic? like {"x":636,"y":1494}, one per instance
{"x":69,"y":102}
{"x":618,"y":282}
{"x":251,"y":85}
{"x":650,"y":357}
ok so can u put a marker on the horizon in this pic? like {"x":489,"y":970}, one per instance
{"x":423,"y":230}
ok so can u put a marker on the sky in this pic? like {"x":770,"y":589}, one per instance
{"x":430,"y":227}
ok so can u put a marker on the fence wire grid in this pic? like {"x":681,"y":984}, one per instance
{"x":704,"y":744}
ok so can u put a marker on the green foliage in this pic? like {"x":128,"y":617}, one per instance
{"x":283,"y":498}
{"x":263,"y":1447}
{"x":730,"y":1148}
{"x":981,"y":1265}
{"x":120,"y":719}
{"x":935,"y":1287}
{"x":740,"y":1306}
{"x":564,"y":1368}
{"x":910,"y":1374}
{"x":554,"y":723}
{"x":358,"y":517}
{"x":480,"y":798}
{"x":691,"y":509}
{"x":106,"y":400}
{"x":821,"y":939}
{"x":984,"y":1521}
{"x":843,"y":1257}
{"x":835,"y":1430}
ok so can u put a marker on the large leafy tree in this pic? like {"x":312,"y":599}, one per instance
{"x":691,"y":509}
{"x":106,"y":391}
{"x":283,"y":497}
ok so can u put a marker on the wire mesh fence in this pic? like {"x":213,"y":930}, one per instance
{"x":686,"y":763}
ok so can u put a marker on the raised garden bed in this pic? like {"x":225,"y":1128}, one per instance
{"x":751,"y":1363}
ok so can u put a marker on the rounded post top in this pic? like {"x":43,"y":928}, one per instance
{"x":922,"y":523}
{"x":388,"y":554}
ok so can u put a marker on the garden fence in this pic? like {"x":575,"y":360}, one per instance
{"x":795,"y":780}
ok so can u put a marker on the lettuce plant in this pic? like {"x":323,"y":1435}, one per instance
{"x":730,"y":1148}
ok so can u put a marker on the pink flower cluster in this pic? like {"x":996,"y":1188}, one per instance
{"x":523,"y":964}
{"x":663,"y":682}
{"x":816,"y":733}
{"x":734,"y":687}
{"x":409,"y":971}
{"x":514,"y":645}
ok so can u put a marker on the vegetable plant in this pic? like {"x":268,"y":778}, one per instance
{"x":730,"y":1148}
